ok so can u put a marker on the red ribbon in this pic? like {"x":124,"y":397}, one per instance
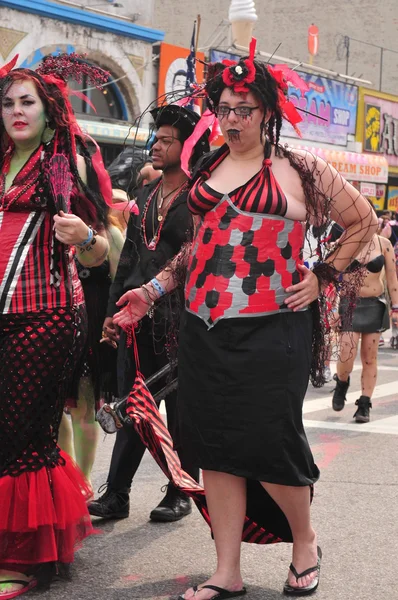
{"x":283,"y":76}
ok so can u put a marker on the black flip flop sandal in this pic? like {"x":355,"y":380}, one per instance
{"x":222,"y":593}
{"x":290,"y":590}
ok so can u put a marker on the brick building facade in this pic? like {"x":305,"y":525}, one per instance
{"x":287,"y":22}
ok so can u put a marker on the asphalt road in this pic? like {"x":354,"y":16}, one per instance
{"x":355,"y":511}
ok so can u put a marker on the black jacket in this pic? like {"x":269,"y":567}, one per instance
{"x":137,"y":264}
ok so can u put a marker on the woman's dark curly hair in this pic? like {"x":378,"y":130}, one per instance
{"x":264,"y":87}
{"x":89,"y":205}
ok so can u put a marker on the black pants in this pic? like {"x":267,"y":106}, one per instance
{"x":129,"y":449}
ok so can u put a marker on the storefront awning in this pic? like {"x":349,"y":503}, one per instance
{"x":114,"y":133}
{"x":353,"y":166}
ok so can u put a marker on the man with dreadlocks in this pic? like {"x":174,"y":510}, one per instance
{"x":251,"y":334}
{"x":49,"y":202}
{"x":154,"y":237}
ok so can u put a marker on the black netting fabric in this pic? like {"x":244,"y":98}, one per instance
{"x":38,"y":352}
{"x":323,"y":189}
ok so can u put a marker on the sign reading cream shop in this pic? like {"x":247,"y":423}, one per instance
{"x":354,"y":166}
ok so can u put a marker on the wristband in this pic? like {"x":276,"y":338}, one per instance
{"x":89,"y":237}
{"x":157,"y":287}
{"x":394,"y":306}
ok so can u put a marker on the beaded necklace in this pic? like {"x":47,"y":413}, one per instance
{"x":151,"y":245}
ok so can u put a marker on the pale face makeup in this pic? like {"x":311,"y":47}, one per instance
{"x":23,"y":114}
{"x":241,"y":130}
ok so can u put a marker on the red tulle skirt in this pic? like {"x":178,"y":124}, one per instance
{"x":43,"y":515}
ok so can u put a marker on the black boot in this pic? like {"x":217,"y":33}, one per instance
{"x":339,"y":395}
{"x":174,"y":506}
{"x":362,"y":413}
{"x":111,"y":505}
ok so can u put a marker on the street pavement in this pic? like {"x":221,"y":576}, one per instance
{"x":355,"y":512}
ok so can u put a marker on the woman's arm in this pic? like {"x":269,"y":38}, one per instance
{"x":135,"y":304}
{"x":349,"y":209}
{"x":391,"y":273}
{"x":73,"y":231}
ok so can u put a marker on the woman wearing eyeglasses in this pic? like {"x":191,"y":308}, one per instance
{"x":250,"y":334}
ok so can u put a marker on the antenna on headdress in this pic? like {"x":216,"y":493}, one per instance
{"x":274,"y":52}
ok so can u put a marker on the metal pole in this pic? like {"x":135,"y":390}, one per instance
{"x":347,"y":45}
{"x":381,"y":68}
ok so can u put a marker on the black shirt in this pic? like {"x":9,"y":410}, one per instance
{"x":137,"y":264}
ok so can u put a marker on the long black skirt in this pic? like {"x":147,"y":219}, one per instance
{"x":241,"y":391}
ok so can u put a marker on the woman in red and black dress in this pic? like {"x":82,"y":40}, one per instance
{"x":251,"y":335}
{"x":43,"y":513}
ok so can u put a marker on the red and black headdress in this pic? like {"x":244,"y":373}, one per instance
{"x":250,"y":75}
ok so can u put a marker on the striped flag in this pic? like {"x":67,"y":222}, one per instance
{"x":193,"y":104}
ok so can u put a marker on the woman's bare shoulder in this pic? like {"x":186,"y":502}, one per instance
{"x":385,"y":243}
{"x":308,"y":159}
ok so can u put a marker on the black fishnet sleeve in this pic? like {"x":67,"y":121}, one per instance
{"x":330,"y":198}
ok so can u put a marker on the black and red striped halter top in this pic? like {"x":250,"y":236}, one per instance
{"x":260,"y":194}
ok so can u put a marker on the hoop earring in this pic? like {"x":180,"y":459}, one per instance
{"x":47,"y":134}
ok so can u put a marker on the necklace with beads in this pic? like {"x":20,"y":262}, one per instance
{"x":153,"y":242}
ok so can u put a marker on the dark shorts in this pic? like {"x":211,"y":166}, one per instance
{"x":370,"y":315}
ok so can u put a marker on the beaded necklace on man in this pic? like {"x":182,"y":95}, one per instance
{"x":157,"y":228}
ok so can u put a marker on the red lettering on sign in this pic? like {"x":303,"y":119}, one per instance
{"x":317,"y":88}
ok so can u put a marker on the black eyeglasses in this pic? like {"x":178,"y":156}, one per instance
{"x":240,"y":111}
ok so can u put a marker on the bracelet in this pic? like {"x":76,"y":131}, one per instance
{"x":150,"y":302}
{"x":394,"y":306}
{"x":157,"y":287}
{"x":91,"y":234}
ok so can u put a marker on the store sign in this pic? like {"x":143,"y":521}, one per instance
{"x":219,"y":56}
{"x":114,"y":133}
{"x":368,"y":189}
{"x":356,"y":171}
{"x":392,"y":198}
{"x":381,"y":128}
{"x":333,"y":110}
{"x":378,"y":200}
{"x":353,"y":166}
